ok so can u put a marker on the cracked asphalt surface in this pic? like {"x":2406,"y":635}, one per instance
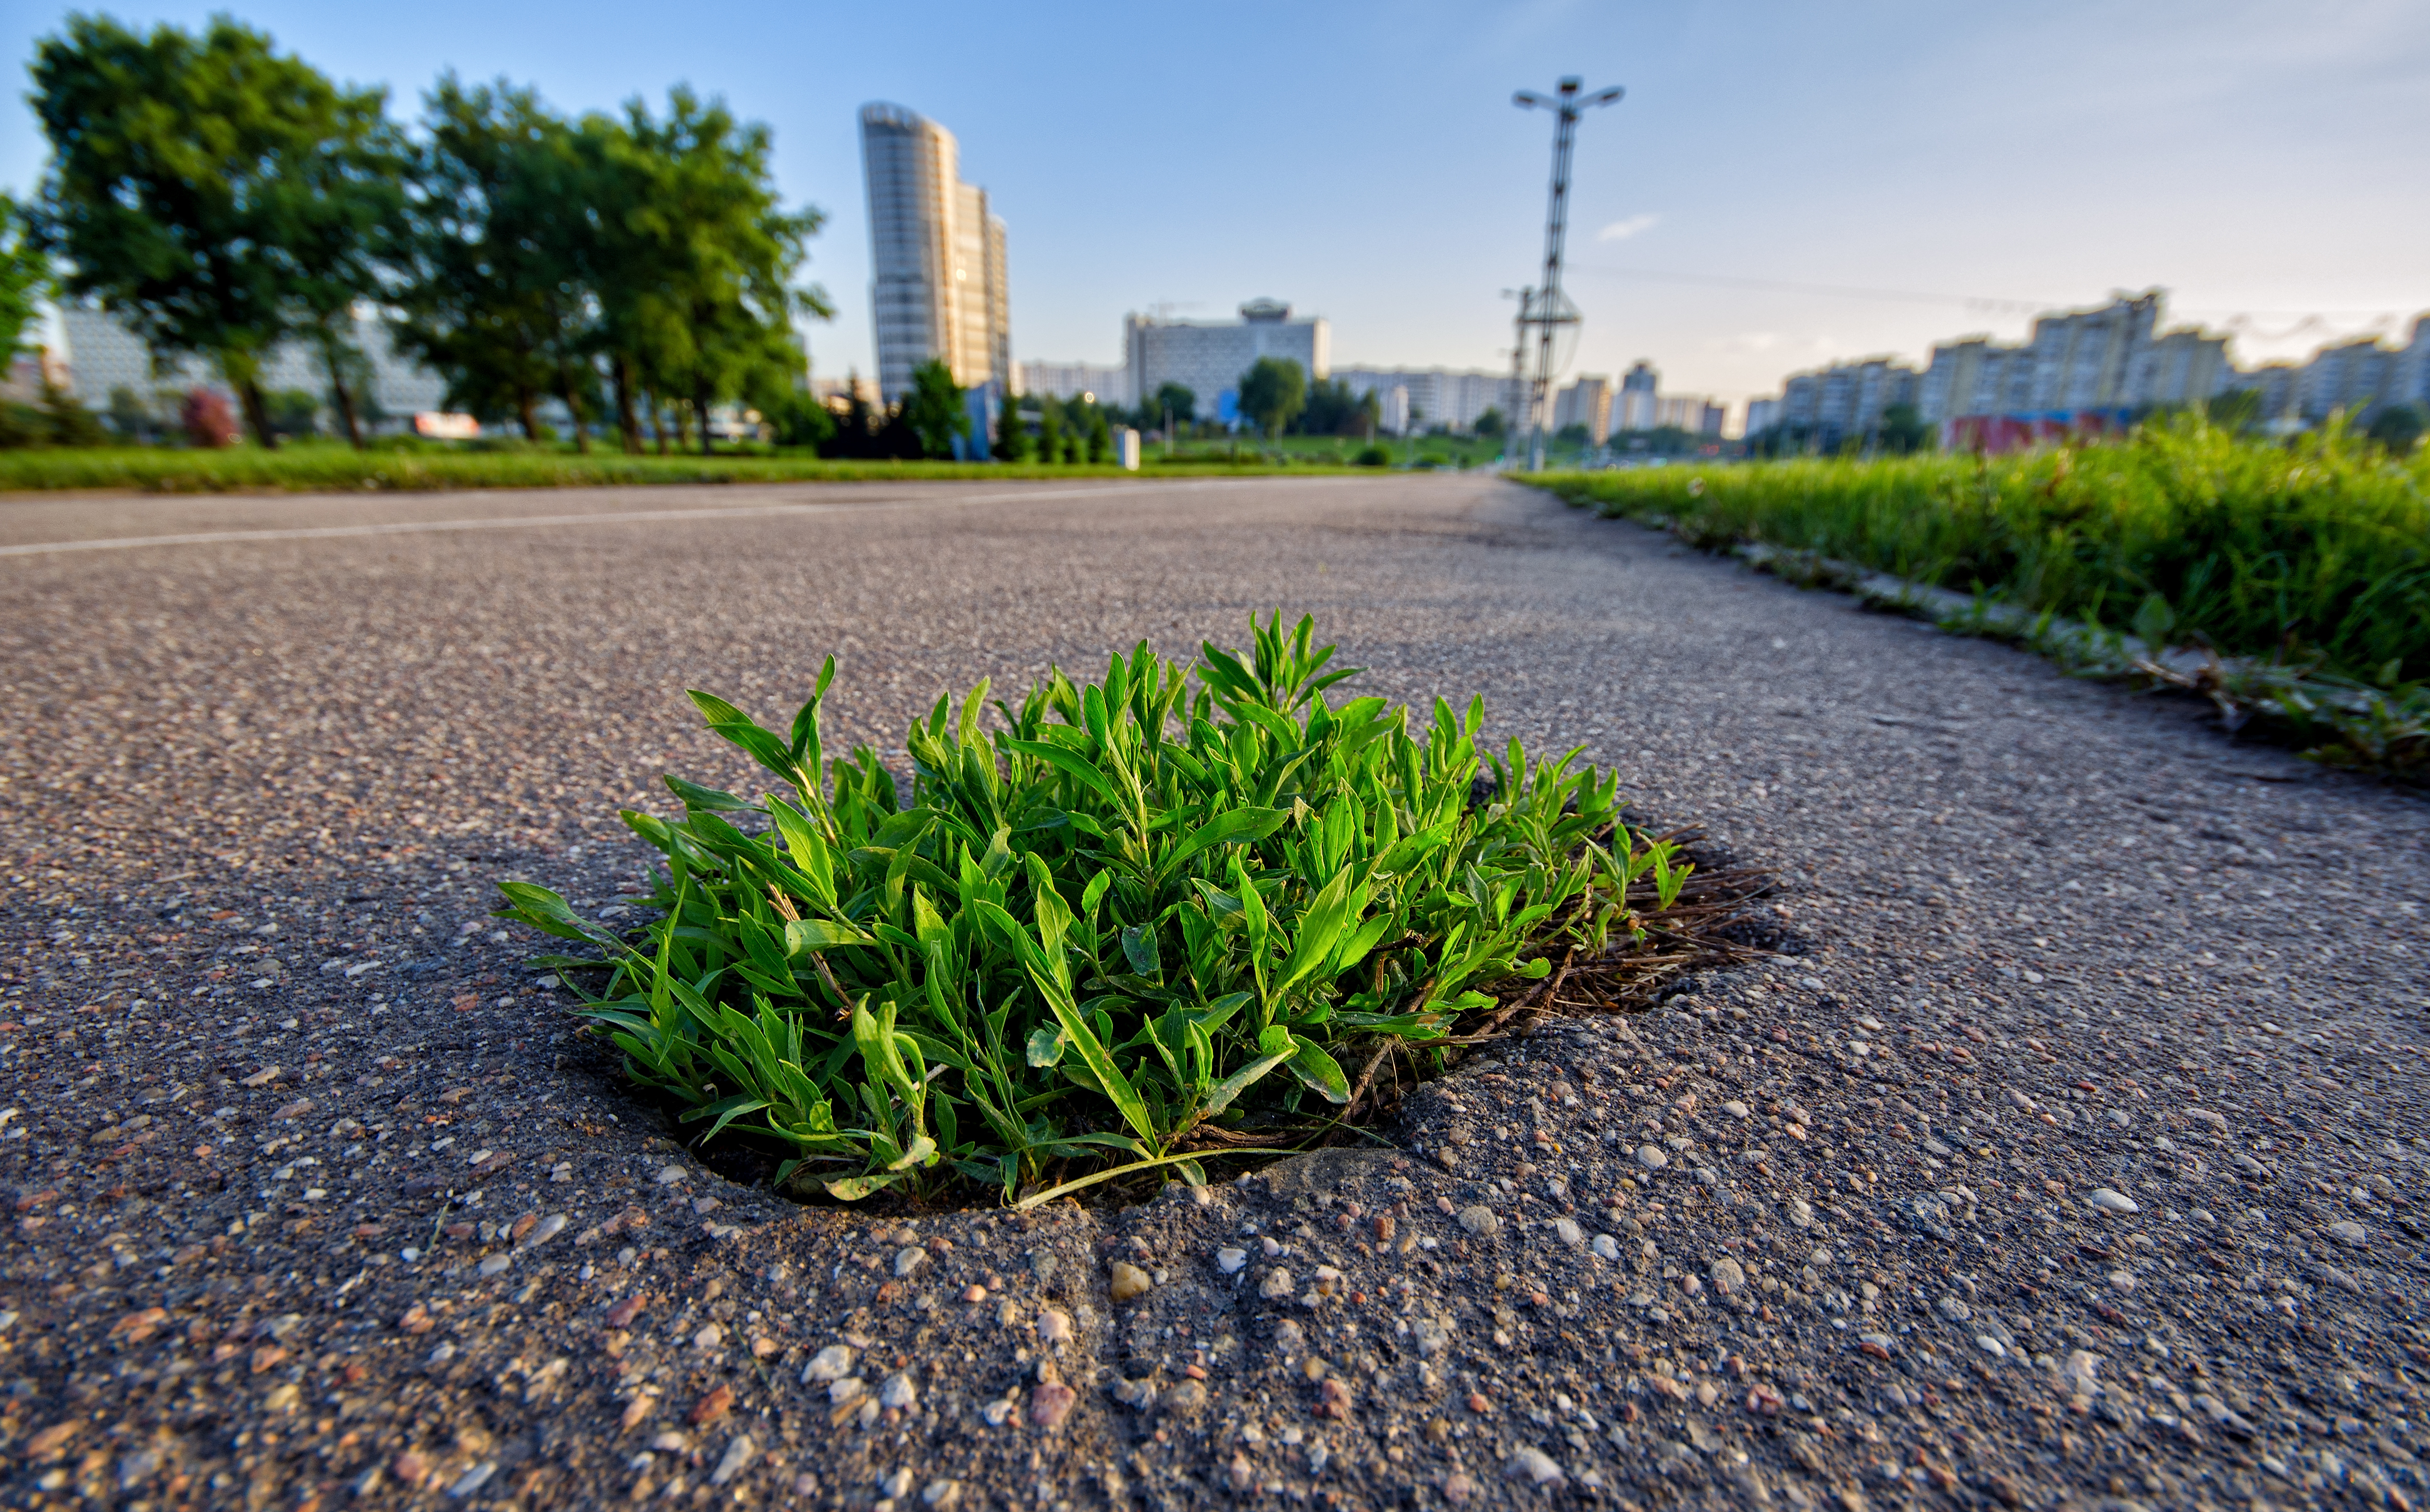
{"x":2069,"y":1154}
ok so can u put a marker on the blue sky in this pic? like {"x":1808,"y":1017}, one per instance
{"x":1363,"y":160}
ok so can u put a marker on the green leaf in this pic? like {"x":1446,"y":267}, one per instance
{"x":804,"y":935}
{"x":1321,"y":1072}
{"x":852,"y":1188}
{"x":1072,"y":764}
{"x":1239,"y":826}
{"x":1047,"y":1046}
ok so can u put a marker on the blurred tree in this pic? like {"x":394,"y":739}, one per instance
{"x":1175,"y":400}
{"x":801,"y":419}
{"x":1272,"y":392}
{"x":484,"y":303}
{"x":209,"y":191}
{"x":1332,"y":409}
{"x":1013,"y":441}
{"x":130,"y":417}
{"x":1490,"y":423}
{"x":2398,"y":427}
{"x":934,"y":408}
{"x":720,"y":314}
{"x":1050,"y":429}
{"x":1903,"y":429}
{"x":24,"y":279}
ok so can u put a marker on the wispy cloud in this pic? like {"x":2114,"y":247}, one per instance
{"x":1622,"y":230}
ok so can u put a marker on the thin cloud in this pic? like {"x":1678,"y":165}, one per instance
{"x":1622,"y":230}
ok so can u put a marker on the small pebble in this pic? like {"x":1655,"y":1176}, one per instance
{"x":738,"y":1457}
{"x":1050,"y":1405}
{"x":2110,"y":1200}
{"x":1230,"y":1260}
{"x":1128,"y":1281}
{"x":832,"y":1363}
{"x":975,"y":1293}
{"x":908,"y":1260}
{"x":2346,"y":1231}
{"x":1277,"y":1285}
{"x":1728,"y":1277}
{"x":1652,"y":1157}
{"x":1567,"y":1232}
{"x":898,"y":1392}
{"x":1531,"y":1464}
{"x":1605,"y":1247}
{"x":1738,"y":1109}
{"x":1478,"y":1219}
{"x":1054,"y":1326}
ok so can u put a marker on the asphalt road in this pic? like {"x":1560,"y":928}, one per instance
{"x":316,"y":1197}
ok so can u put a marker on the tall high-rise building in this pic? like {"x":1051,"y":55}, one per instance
{"x":1637,"y":395}
{"x":938,"y":285}
{"x":1588,"y":402}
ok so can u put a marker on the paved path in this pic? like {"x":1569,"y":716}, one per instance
{"x":2048,"y":936}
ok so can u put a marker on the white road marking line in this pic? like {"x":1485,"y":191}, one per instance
{"x":211,"y":538}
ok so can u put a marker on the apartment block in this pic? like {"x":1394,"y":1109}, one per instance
{"x":1103,"y":384}
{"x":102,"y":355}
{"x":1588,"y":402}
{"x":940,"y":289}
{"x":1208,"y":356}
{"x":1431,"y":396}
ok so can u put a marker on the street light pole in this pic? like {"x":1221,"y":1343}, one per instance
{"x":1551,"y":308}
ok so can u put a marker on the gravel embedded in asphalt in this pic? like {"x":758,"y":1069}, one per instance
{"x":2068,"y":1155}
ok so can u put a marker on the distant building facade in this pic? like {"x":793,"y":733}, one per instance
{"x":1430,"y":396}
{"x":1208,"y":356}
{"x":1587,"y":403}
{"x":1071,"y":380}
{"x":2350,"y":376}
{"x":1639,"y":391}
{"x":939,"y":289}
{"x":103,"y":356}
{"x":2093,"y":371}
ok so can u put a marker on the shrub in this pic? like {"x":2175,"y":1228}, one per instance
{"x":1372,"y":456}
{"x":206,"y":419}
{"x":1136,"y":922}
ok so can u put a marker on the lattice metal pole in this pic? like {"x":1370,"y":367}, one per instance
{"x":1552,"y":309}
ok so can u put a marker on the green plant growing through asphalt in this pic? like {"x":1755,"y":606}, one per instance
{"x":1139,"y":922}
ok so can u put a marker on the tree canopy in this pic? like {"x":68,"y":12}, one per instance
{"x":1172,"y":399}
{"x":24,"y":279}
{"x":934,"y":408}
{"x":1272,"y":392}
{"x":223,"y":198}
{"x":216,"y":194}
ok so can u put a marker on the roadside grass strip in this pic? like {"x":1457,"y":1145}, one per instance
{"x":2290,"y":583}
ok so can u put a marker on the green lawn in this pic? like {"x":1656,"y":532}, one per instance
{"x":322,"y":468}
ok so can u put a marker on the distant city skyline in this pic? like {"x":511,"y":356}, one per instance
{"x":1784,"y":187}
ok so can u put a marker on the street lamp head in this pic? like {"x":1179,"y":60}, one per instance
{"x":1572,"y":84}
{"x":1529,"y":100}
{"x":1605,"y":96}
